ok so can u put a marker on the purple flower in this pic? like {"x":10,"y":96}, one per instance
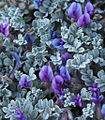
{"x":83,"y":20}
{"x":89,"y":9}
{"x":46,"y":74}
{"x":78,"y":100}
{"x":57,"y":85}
{"x":64,"y":73}
{"x":97,"y":98}
{"x":19,"y":115}
{"x":75,"y":10}
{"x":103,"y":109}
{"x":30,"y":39}
{"x":94,"y":87}
{"x":37,"y":3}
{"x":25,"y":82}
{"x":53,"y":34}
{"x":5,"y":29}
{"x":65,"y":57}
{"x":17,"y":58}
{"x":58,"y":43}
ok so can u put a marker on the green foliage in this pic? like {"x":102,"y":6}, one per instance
{"x":47,"y":109}
{"x":6,"y":64}
{"x":46,"y":8}
{"x":31,"y":76}
{"x":20,"y":40}
{"x":35,"y":94}
{"x":101,"y":80}
{"x":15,"y":16}
{"x":25,"y":105}
{"x":71,"y":38}
{"x":87,"y":76}
{"x":85,"y":94}
{"x":36,"y":58}
{"x":82,"y":1}
{"x":80,"y":61}
{"x":56,"y":59}
{"x":42,"y":29}
{"x":88,"y":112}
{"x":67,"y":97}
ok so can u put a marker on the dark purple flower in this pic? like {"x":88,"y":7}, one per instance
{"x":19,"y":115}
{"x":25,"y":82}
{"x":57,"y":85}
{"x":17,"y":58}
{"x":103,"y":109}
{"x":65,"y":57}
{"x":53,"y":34}
{"x":89,"y":8}
{"x":58,"y":43}
{"x":30,"y":39}
{"x":83,"y":20}
{"x":37,"y":3}
{"x":78,"y":100}
{"x":94,"y":87}
{"x":97,"y":98}
{"x":75,"y":10}
{"x":64,"y":73}
{"x":46,"y":74}
{"x":5,"y":29}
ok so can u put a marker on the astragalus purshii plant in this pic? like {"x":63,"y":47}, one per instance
{"x":52,"y":60}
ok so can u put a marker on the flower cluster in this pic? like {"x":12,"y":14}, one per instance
{"x":46,"y":75}
{"x":78,"y":100}
{"x":97,"y":98}
{"x":75,"y":11}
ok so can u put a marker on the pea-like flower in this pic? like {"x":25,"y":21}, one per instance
{"x":64,"y":73}
{"x":75,"y":10}
{"x":58,"y":43}
{"x":103,"y":109}
{"x":19,"y":115}
{"x":65,"y":57}
{"x":94,"y":88}
{"x":5,"y":29}
{"x":37,"y":3}
{"x":46,"y":74}
{"x":83,"y":20}
{"x":17,"y":58}
{"x":25,"y":82}
{"x":30,"y":39}
{"x":89,"y":9}
{"x":78,"y":100}
{"x":57,"y":85}
{"x":97,"y":98}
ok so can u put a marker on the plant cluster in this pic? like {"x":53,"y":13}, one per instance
{"x":52,"y":60}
